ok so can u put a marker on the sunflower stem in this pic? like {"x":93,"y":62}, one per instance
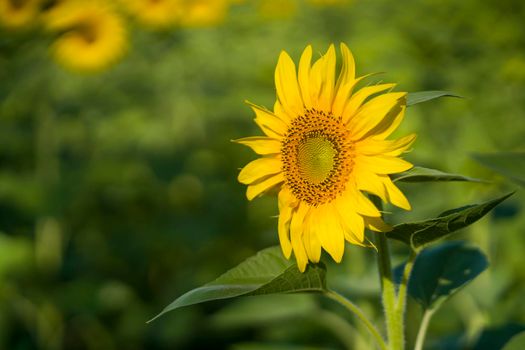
{"x":360,"y":315}
{"x":425,"y":321}
{"x":393,"y":316}
{"x":403,"y":286}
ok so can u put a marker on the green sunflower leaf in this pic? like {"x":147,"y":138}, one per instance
{"x":414,"y":98}
{"x":517,"y":342}
{"x":267,"y":272}
{"x":441,"y":271}
{"x":508,"y":164}
{"x":420,"y":174}
{"x":420,"y":234}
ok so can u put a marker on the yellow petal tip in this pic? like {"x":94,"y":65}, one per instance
{"x":287,"y":252}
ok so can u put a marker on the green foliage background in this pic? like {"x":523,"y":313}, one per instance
{"x":118,"y":191}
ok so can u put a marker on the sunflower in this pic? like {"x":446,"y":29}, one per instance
{"x":91,"y":35}
{"x":203,"y":13}
{"x":325,"y":146}
{"x":155,"y":14}
{"x":329,"y":2}
{"x":15,"y":14}
{"x":277,"y":9}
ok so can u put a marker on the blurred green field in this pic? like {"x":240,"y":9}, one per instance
{"x":118,"y":190}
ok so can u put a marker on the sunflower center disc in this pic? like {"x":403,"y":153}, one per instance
{"x":317,"y":156}
{"x":315,"y":159}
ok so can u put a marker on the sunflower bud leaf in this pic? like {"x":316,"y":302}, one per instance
{"x":267,"y":272}
{"x":420,"y":174}
{"x":414,"y":98}
{"x":422,"y":233}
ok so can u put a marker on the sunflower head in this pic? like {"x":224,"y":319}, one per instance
{"x":91,"y":35}
{"x":17,"y":14}
{"x":277,"y":9}
{"x":154,"y":14}
{"x":325,"y":146}
{"x":203,"y":13}
{"x":329,"y":2}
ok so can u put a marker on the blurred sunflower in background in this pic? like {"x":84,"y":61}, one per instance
{"x":203,"y":13}
{"x":16,"y":14}
{"x":91,"y":35}
{"x":329,"y":2}
{"x":154,"y":14}
{"x":325,"y":144}
{"x":272,"y":9}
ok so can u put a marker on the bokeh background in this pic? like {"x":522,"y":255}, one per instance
{"x":118,"y":187}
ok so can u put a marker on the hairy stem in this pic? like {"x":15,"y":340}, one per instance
{"x":394,"y":320}
{"x":402,"y":291}
{"x":360,"y":315}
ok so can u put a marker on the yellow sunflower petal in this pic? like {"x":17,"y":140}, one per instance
{"x":312,"y":244}
{"x":316,"y":81}
{"x":258,"y":188}
{"x":261,"y":145}
{"x":381,"y":164}
{"x":370,"y":182}
{"x":279,"y":112}
{"x":354,"y":226}
{"x":287,"y":86}
{"x":373,"y":112}
{"x":347,"y":74}
{"x":285,"y":217}
{"x":258,"y":169}
{"x":390,"y":122}
{"x":394,"y":148}
{"x":342,"y":94}
{"x":296,"y":234}
{"x":394,"y":195}
{"x":359,"y":98}
{"x":269,"y":123}
{"x":327,"y":90}
{"x":355,"y":201}
{"x":304,"y":76}
{"x":330,"y":231}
